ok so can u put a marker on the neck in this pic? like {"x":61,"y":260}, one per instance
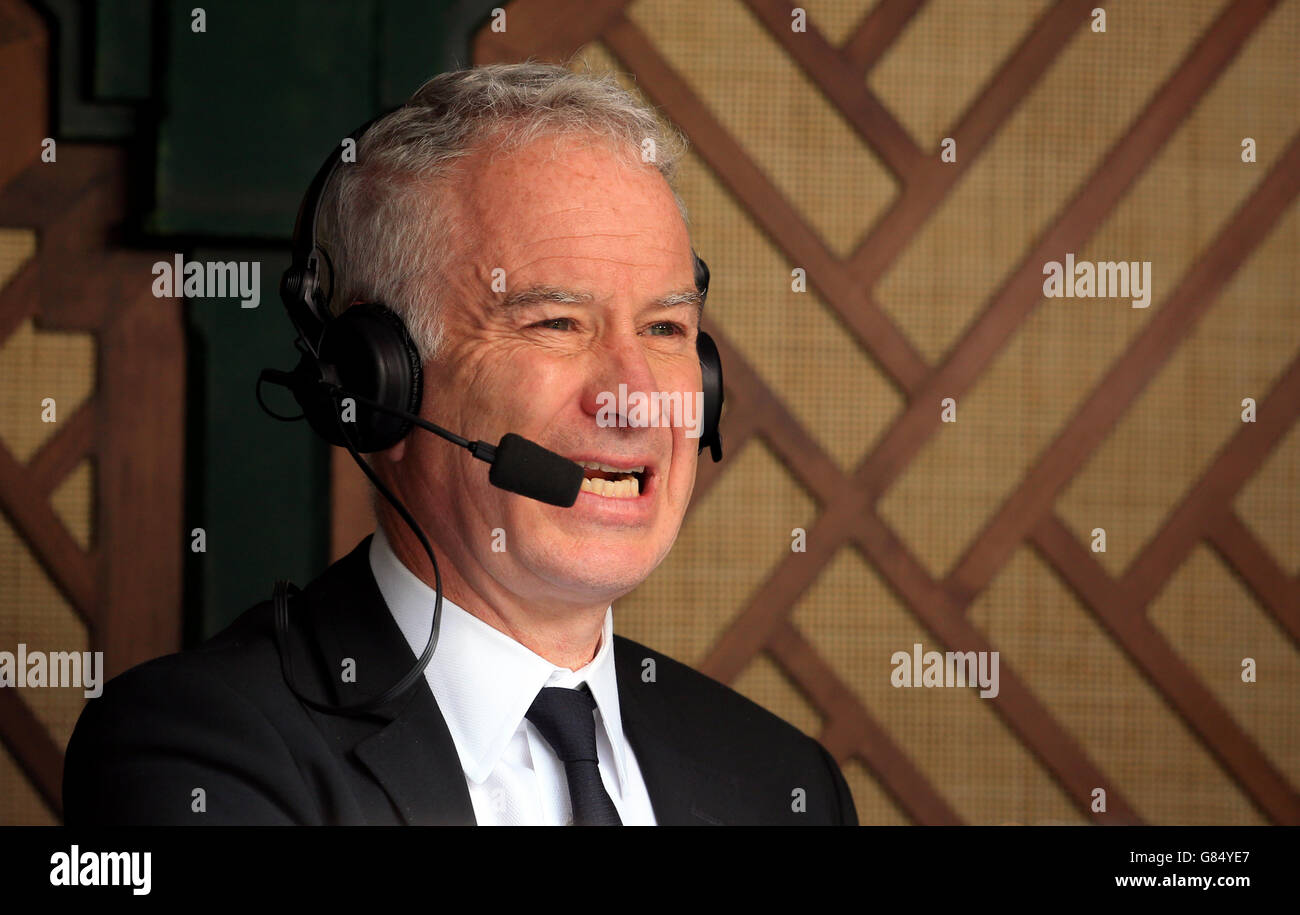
{"x":567,"y":635}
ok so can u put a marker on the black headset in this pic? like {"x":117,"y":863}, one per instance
{"x":366,"y":353}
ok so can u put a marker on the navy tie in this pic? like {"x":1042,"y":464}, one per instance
{"x":565,"y":718}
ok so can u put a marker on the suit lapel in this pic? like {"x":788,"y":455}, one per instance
{"x":406,"y":746}
{"x":415,"y":762}
{"x":683,"y":792}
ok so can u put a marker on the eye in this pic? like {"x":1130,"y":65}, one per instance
{"x":672,"y":329}
{"x":551,"y":324}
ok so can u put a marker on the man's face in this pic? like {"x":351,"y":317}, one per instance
{"x":560,"y":219}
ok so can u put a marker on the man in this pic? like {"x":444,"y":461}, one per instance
{"x":508,"y":215}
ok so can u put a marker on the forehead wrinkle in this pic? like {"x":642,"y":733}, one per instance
{"x":592,"y":235}
{"x":620,"y":260}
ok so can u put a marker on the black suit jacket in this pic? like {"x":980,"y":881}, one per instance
{"x":221,"y":719}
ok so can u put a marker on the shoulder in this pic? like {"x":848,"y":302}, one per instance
{"x":196,"y":719}
{"x":719,"y":729}
{"x":239,"y":668}
{"x":232,"y":666}
{"x":681,"y":697}
{"x":772,"y":772}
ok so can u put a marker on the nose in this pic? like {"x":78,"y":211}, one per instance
{"x":620,"y":359}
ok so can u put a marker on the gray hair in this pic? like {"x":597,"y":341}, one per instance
{"x":385,"y":242}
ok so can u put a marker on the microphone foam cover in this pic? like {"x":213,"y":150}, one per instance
{"x":526,"y":468}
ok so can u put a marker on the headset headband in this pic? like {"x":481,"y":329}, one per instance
{"x":300,"y":285}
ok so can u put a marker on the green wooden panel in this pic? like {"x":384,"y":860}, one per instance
{"x":421,"y":39}
{"x":124,"y":36}
{"x":77,"y":115}
{"x":254,"y":104}
{"x":259,"y":488}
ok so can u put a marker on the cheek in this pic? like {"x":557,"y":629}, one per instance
{"x":687,"y":379}
{"x":685,"y":468}
{"x":517,"y":386}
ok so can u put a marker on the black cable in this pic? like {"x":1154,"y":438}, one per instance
{"x":268,"y":411}
{"x":339,"y":391}
{"x":283,"y":589}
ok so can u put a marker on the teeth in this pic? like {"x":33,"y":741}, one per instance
{"x":612,"y":489}
{"x":596,"y":465}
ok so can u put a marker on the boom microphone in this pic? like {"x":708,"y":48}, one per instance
{"x":526,"y":468}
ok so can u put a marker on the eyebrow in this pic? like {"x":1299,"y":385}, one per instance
{"x":685,"y":297}
{"x":538,"y":294}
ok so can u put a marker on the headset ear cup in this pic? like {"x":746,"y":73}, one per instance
{"x":316,"y":403}
{"x":711,"y":380}
{"x":368,"y":350}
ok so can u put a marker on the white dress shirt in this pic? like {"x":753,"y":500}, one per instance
{"x":484,"y":682}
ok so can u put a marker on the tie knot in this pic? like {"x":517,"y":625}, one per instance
{"x":564,"y":717}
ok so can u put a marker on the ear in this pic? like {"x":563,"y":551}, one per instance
{"x":396,"y":452}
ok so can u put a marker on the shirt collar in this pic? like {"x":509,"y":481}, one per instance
{"x":485,"y":681}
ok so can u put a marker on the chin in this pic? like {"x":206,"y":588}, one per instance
{"x":601,"y":573}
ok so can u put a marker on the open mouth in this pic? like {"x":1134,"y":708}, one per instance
{"x":612,"y":482}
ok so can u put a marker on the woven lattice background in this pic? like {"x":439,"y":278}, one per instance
{"x":35,"y":364}
{"x":819,"y":150}
{"x":1119,"y":670}
{"x":92,"y":389}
